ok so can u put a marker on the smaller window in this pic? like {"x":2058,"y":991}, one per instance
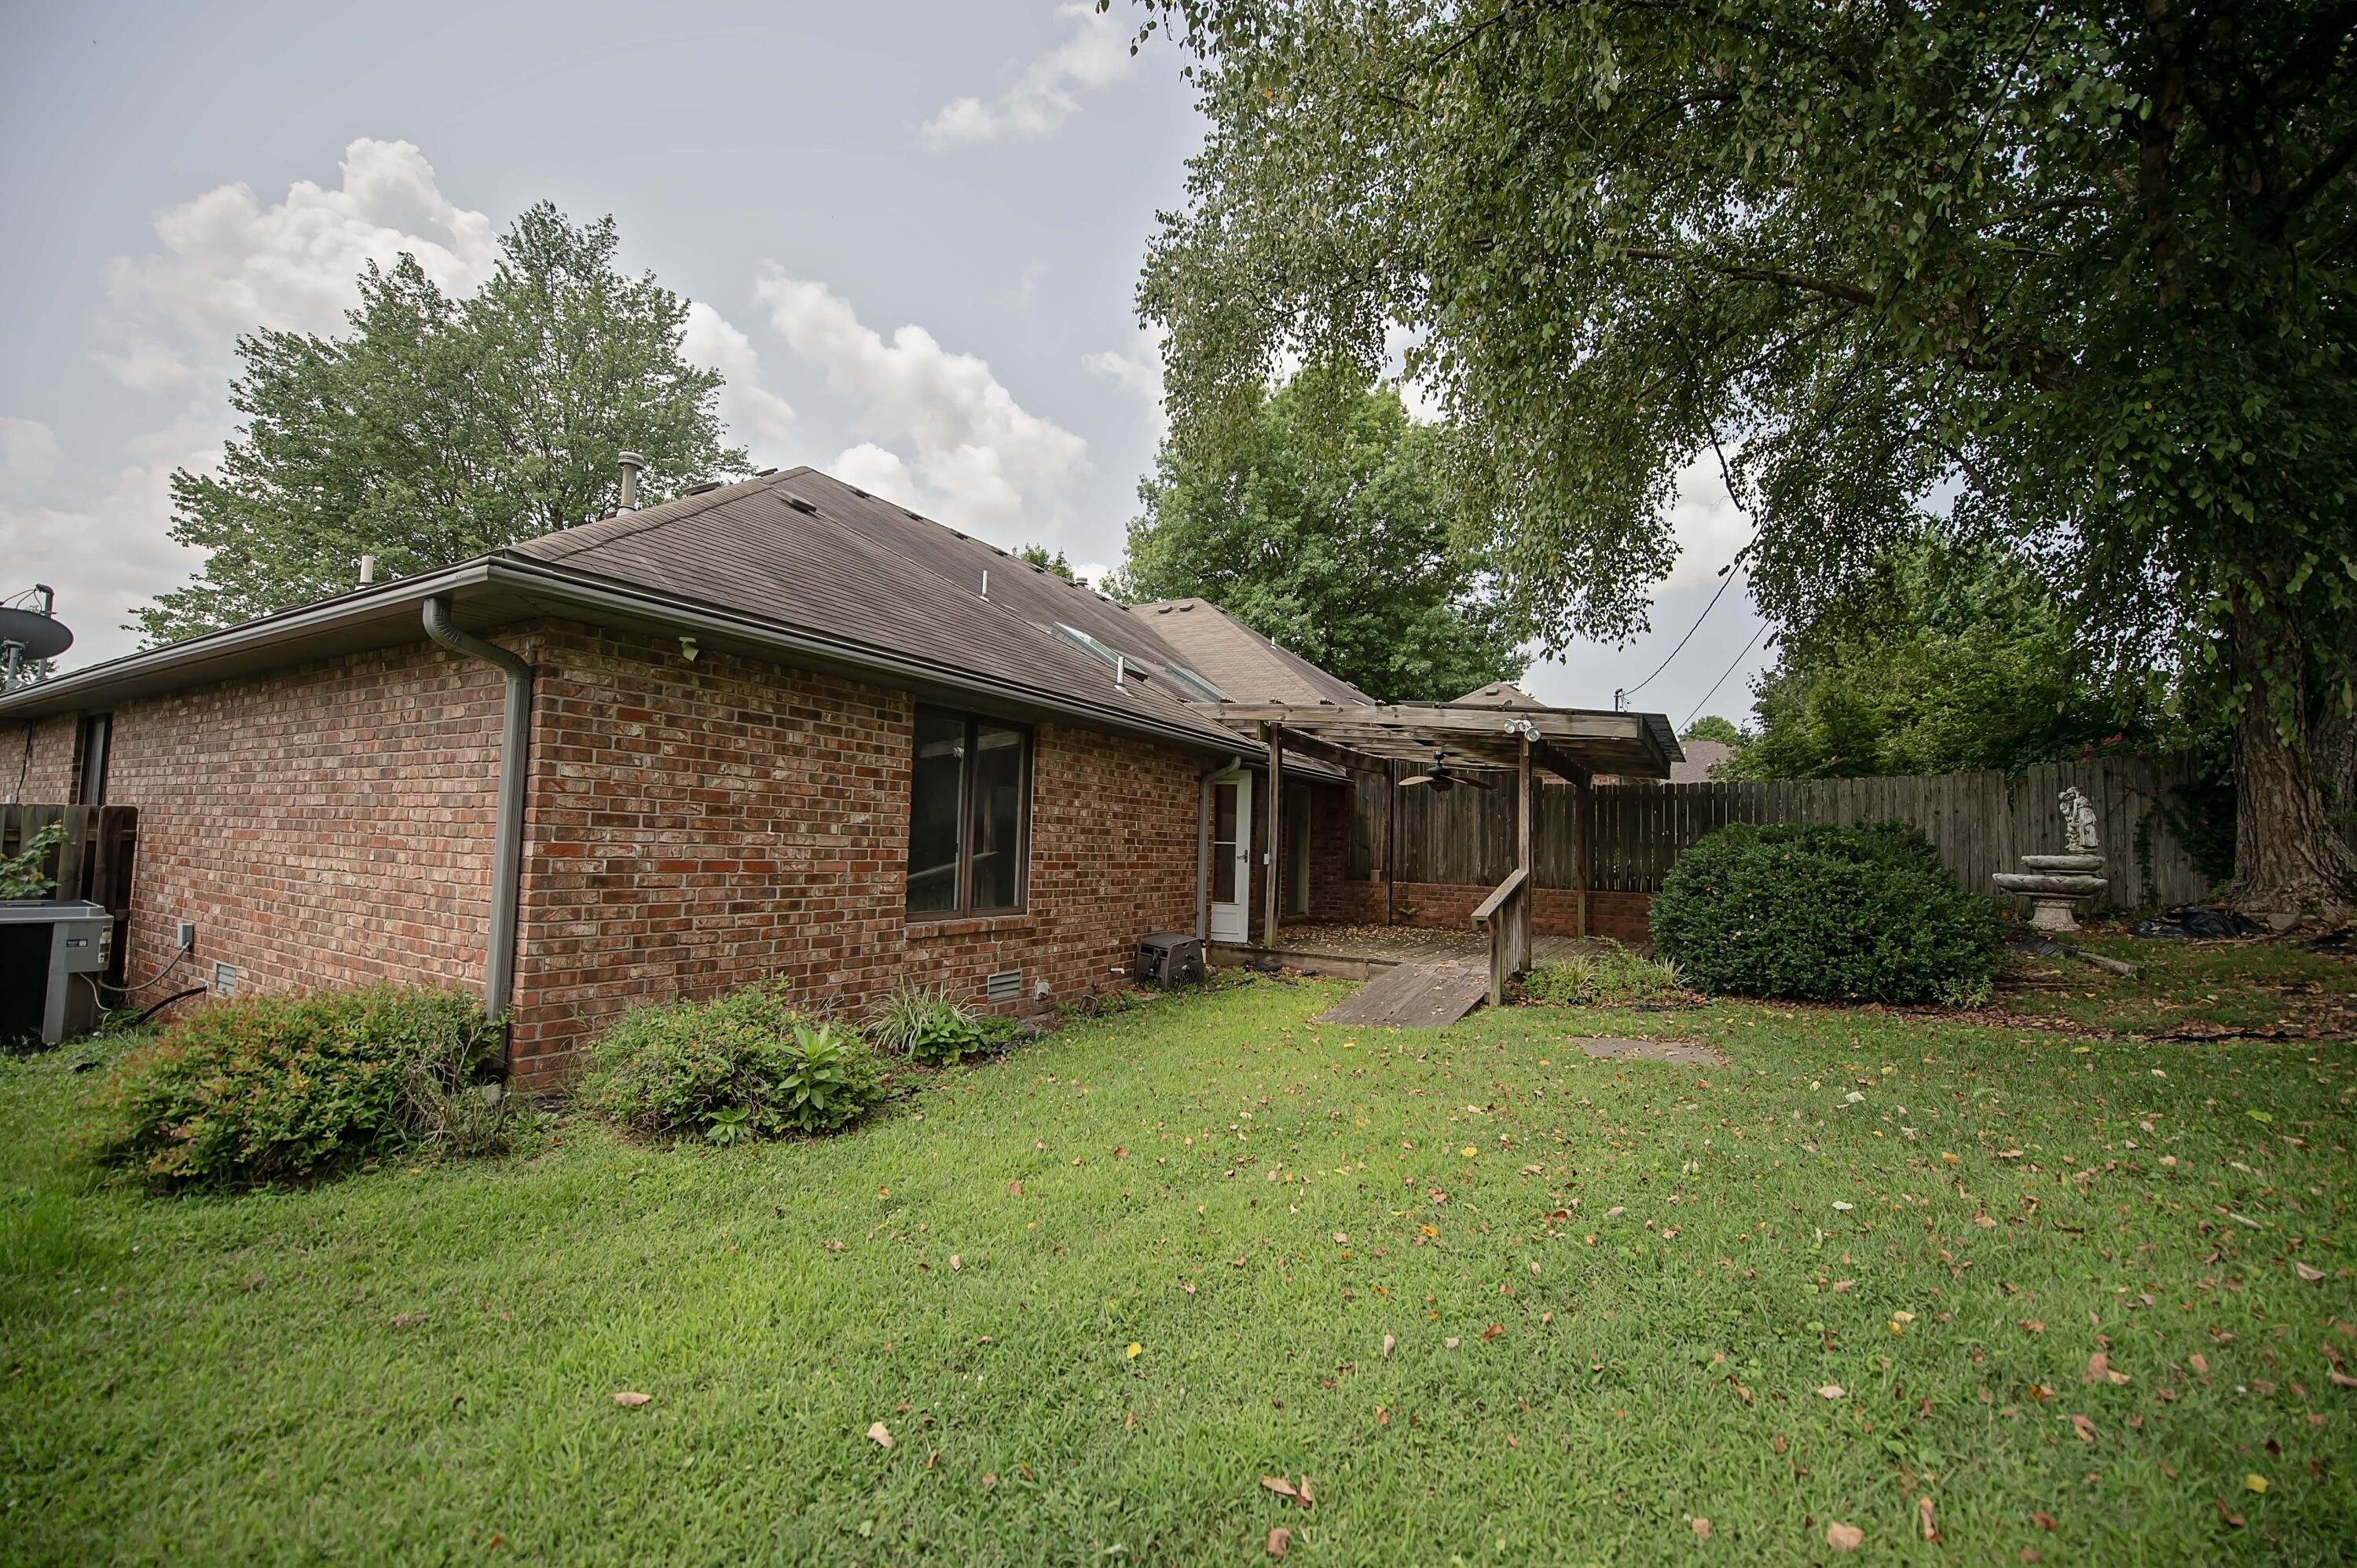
{"x":90,"y":746}
{"x":969,"y":815}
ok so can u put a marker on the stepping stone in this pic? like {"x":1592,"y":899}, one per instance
{"x":1414,"y":996}
{"x":1613,"y":1048}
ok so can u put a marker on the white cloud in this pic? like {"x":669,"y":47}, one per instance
{"x":1092,"y":55}
{"x":107,"y":548}
{"x":1709,"y":527}
{"x":1135,"y":368}
{"x":754,"y":415}
{"x":28,"y":453}
{"x":226,"y":263}
{"x":978,"y":456}
{"x":880,"y":472}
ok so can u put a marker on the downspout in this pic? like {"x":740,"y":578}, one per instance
{"x":507,"y":833}
{"x":1203,"y":848}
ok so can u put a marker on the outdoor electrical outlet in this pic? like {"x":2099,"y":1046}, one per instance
{"x":187,"y":936}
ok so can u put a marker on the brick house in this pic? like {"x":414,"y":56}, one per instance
{"x":780,"y":727}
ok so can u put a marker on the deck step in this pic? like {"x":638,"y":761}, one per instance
{"x":1414,"y":996}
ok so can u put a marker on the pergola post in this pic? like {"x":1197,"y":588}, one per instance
{"x":1273,"y":735}
{"x":1582,"y":813}
{"x":1526,"y":832}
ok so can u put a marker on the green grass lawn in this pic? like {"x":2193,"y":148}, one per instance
{"x":1621,"y":1298}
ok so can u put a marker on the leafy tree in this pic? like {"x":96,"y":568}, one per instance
{"x":1942,"y":657}
{"x":439,"y":428}
{"x":1335,"y":543}
{"x":1712,"y":726}
{"x":2077,"y":275}
{"x":1036,"y":555}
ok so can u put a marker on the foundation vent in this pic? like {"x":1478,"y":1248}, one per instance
{"x":1006,"y":985}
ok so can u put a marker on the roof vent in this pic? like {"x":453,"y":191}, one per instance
{"x":763,"y":473}
{"x":801,"y":505}
{"x":631,"y":463}
{"x":699,"y":489}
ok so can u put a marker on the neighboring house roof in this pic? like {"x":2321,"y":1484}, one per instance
{"x":1702,"y":756}
{"x":1499,"y":694}
{"x":795,"y":566}
{"x":1245,"y":666}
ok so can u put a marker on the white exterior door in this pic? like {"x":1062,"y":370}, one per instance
{"x":1231,"y":858}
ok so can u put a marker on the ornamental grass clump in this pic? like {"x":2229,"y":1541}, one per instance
{"x":926,"y":1023}
{"x":1612,"y":978}
{"x":270,"y":1089}
{"x":1814,"y":912}
{"x":747,"y":1064}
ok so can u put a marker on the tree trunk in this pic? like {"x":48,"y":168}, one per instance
{"x":2290,"y":854}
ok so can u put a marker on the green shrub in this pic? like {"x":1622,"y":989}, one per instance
{"x":745,"y":1065}
{"x":1820,"y":913}
{"x":26,"y":875}
{"x":926,"y":1023}
{"x":275,"y":1088}
{"x":1613,"y":978}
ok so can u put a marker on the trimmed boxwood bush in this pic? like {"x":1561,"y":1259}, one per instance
{"x":743,"y":1065}
{"x":1819,"y":913}
{"x":269,"y":1089}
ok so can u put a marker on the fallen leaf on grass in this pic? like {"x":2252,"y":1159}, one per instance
{"x":1701,"y":1528}
{"x":1014,"y":1190}
{"x":956,"y":1263}
{"x":1278,"y":1540}
{"x":2228,"y":1515}
{"x":2083,"y":1427}
{"x":1388,"y":1343}
{"x":2255,"y":1483}
{"x":881,"y":1434}
{"x":1493,"y":1331}
{"x":2339,"y":1378}
{"x":630,"y":1400}
{"x":2100,"y":1370}
{"x":1450,"y":1343}
{"x":1923,"y":1519}
{"x":1133,"y":1352}
{"x":2042,"y":1520}
{"x":1833,"y":1392}
{"x":1280,"y":1485}
{"x":2304,"y":1271}
{"x":2200,"y":1363}
{"x":1843,"y":1537}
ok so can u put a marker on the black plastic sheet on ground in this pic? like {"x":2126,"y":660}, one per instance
{"x":2194,"y":920}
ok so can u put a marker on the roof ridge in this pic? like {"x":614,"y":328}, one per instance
{"x":706,"y":502}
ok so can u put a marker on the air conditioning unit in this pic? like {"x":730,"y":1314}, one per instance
{"x":1169,"y":958}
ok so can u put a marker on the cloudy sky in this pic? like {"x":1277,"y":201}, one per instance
{"x":911,"y":234}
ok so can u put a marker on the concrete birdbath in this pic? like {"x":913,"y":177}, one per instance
{"x":2054,"y":883}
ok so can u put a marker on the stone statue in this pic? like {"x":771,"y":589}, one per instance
{"x":2078,"y":822}
{"x":2054,"y":883}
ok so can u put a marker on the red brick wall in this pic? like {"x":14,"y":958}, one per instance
{"x":694,"y":827}
{"x":325,"y":825}
{"x":37,"y":760}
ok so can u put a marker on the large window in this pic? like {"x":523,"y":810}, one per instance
{"x":969,"y":815}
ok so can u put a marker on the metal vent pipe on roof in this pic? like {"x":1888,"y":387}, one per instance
{"x":631,"y":463}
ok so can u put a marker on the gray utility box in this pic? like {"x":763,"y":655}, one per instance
{"x":46,"y":944}
{"x":1169,"y":958}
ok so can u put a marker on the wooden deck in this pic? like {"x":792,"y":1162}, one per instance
{"x":1430,"y":996}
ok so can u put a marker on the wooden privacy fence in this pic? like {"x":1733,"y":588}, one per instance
{"x":93,"y":862}
{"x":1980,"y":822}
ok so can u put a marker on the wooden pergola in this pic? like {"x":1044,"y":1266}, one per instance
{"x":1516,"y":738}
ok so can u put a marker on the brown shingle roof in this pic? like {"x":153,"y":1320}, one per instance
{"x":1240,"y":661}
{"x":810,"y":551}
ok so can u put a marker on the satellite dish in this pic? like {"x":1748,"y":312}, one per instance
{"x":36,"y":635}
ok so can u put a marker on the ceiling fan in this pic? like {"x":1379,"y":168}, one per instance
{"x":1441,"y":780}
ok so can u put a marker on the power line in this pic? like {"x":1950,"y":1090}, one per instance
{"x":1726,"y":578}
{"x":1715,"y":685}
